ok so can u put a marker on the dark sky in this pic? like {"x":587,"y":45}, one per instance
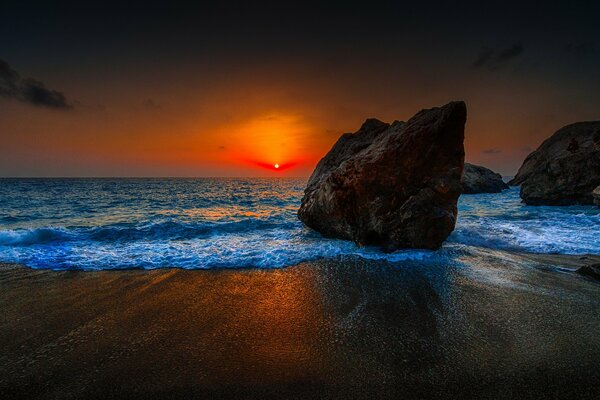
{"x":196,"y":89}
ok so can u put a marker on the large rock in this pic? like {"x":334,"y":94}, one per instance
{"x":478,"y":179}
{"x":596,"y":195}
{"x":394,"y":186}
{"x":565,"y":169}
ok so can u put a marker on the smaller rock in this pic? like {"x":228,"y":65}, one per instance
{"x":593,"y":271}
{"x":478,"y":179}
{"x":565,"y":169}
{"x":596,"y":195}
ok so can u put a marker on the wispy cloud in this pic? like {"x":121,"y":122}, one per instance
{"x":580,"y":48}
{"x":152,"y":105}
{"x":526,"y":149}
{"x":29,"y":90}
{"x":493,"y":150}
{"x":485,"y":55}
{"x":497,"y":58}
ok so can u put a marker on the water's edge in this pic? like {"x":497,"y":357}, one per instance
{"x":242,"y":223}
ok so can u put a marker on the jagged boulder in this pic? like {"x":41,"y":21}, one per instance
{"x":596,"y":195}
{"x":478,"y":179}
{"x":394,"y":186}
{"x":565,"y":169}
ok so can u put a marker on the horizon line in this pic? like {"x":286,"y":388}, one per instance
{"x":153,"y":177}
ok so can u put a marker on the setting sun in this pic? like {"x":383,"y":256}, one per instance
{"x":276,"y":166}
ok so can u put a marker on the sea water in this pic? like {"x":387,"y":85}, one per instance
{"x":236,"y":223}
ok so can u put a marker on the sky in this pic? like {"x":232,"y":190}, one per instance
{"x":225,"y":89}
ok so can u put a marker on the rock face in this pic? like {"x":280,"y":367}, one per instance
{"x":596,"y":195}
{"x":593,"y":271}
{"x":565,"y":169}
{"x":394,"y":186}
{"x":478,"y":179}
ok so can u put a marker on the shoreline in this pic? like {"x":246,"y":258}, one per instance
{"x":347,"y":328}
{"x":566,"y":261}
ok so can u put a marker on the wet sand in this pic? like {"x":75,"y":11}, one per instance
{"x":508,"y":326}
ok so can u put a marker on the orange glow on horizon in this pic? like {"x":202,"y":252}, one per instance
{"x":266,"y":140}
{"x":274,"y":167}
{"x":243,"y":127}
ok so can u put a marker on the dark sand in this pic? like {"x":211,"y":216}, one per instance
{"x":516,"y":326}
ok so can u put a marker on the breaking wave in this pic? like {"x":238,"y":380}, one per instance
{"x":211,"y":223}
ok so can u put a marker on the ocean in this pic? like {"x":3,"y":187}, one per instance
{"x":95,"y":224}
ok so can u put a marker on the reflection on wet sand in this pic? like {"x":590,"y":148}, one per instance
{"x":478,"y":326}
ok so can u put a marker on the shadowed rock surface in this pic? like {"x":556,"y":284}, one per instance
{"x":596,"y":194}
{"x":478,"y":179}
{"x":565,"y":169}
{"x":593,"y":271}
{"x":394,"y":186}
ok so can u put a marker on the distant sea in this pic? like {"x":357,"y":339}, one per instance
{"x":95,"y":224}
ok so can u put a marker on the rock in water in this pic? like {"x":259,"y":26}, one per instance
{"x":478,"y":179}
{"x":596,"y":195}
{"x":565,"y":169}
{"x":394,"y":186}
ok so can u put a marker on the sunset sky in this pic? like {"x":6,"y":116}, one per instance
{"x":158,"y":89}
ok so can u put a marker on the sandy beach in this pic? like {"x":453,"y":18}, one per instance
{"x":510,"y":326}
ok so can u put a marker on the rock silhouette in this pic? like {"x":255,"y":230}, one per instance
{"x":478,"y":179}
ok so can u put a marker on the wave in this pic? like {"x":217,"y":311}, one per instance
{"x":266,"y":243}
{"x":275,"y":250}
{"x":237,"y":224}
{"x":119,"y":233}
{"x":173,"y":230}
{"x":25,"y":237}
{"x":574,"y":235}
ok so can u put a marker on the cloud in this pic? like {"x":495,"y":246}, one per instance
{"x":485,"y":55}
{"x":270,"y":118}
{"x":512,"y":52}
{"x":152,"y":105}
{"x":493,"y":150}
{"x":497,"y":58}
{"x":580,"y":49}
{"x":29,"y":90}
{"x":526,"y":149}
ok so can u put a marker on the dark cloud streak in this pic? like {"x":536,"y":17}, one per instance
{"x":508,"y":54}
{"x":497,"y":58}
{"x":29,"y":90}
{"x":152,"y":105}
{"x":582,"y":48}
{"x":484,"y":57}
{"x":493,"y":150}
